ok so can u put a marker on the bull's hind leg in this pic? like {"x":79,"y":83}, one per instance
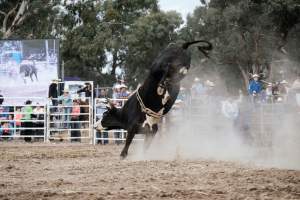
{"x":35,"y":74}
{"x":149,"y":135}
{"x":129,"y":138}
{"x":31,"y":77}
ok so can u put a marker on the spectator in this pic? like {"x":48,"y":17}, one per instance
{"x":210,"y":87}
{"x":87,"y":89}
{"x":230,"y":108}
{"x":53,"y":94}
{"x":85,"y":113}
{"x":198,"y":88}
{"x":6,"y":129}
{"x":121,"y":95}
{"x":296,"y":83}
{"x":3,"y":109}
{"x":75,"y":117}
{"x":67,"y":106}
{"x":103,"y":93}
{"x":255,"y":88}
{"x":1,"y":98}
{"x":27,"y":124}
{"x":269,"y":93}
{"x":100,"y":109}
{"x":116,"y":91}
{"x":18,"y":117}
{"x":283,"y":89}
{"x":4,"y":112}
{"x":38,"y":114}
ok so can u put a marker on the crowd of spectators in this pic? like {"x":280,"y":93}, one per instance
{"x":71,"y":110}
{"x":23,"y":120}
{"x":262,"y":91}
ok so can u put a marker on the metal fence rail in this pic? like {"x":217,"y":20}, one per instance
{"x":64,"y":124}
{"x":16,"y":122}
{"x":56,"y":122}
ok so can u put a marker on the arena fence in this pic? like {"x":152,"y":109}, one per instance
{"x":49,"y":122}
{"x":23,"y":121}
{"x":65,"y":124}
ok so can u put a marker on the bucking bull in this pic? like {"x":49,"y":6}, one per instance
{"x":28,"y":69}
{"x":154,"y":98}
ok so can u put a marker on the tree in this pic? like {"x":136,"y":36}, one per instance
{"x":147,"y":37}
{"x":247,"y":35}
{"x":26,"y":18}
{"x":100,"y":36}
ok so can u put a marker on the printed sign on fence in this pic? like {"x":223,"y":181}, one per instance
{"x":27,"y":68}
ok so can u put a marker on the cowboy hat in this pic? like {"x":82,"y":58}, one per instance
{"x":210,"y":83}
{"x":255,"y":76}
{"x":122,"y":86}
{"x":56,"y":80}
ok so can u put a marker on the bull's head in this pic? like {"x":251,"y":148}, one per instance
{"x":110,"y":118}
{"x":177,"y":59}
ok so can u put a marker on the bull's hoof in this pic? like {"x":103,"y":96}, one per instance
{"x":123,"y":155}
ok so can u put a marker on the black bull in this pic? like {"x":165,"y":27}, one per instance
{"x":156,"y":96}
{"x":28,"y":70}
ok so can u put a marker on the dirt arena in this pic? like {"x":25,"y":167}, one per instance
{"x":65,"y":171}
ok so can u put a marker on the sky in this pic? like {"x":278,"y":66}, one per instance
{"x":182,"y":6}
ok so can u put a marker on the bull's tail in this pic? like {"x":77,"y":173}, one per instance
{"x":204,"y":49}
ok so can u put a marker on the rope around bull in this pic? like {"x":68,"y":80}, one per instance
{"x":146,"y":110}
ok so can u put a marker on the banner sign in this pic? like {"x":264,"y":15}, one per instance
{"x":27,"y":68}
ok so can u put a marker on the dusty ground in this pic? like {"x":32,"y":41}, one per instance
{"x":63,"y":171}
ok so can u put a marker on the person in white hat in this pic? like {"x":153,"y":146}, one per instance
{"x":269,"y":93}
{"x":67,"y":104}
{"x":123,"y":92}
{"x":283,"y":89}
{"x":255,"y":87}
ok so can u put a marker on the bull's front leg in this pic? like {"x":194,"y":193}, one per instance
{"x":130,"y":135}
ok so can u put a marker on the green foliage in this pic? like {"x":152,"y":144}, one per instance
{"x":147,"y":37}
{"x":27,"y":19}
{"x":247,"y":35}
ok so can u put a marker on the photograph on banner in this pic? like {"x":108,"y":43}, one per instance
{"x":27,"y":68}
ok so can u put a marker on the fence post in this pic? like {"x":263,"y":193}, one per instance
{"x":45,"y":123}
{"x":48,"y":123}
{"x":94,"y":119}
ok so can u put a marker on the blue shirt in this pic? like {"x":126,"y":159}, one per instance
{"x":66,"y":100}
{"x":254,"y":87}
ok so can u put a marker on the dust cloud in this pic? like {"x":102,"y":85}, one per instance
{"x":262,"y":135}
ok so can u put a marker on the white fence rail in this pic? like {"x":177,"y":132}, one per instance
{"x":67,"y":123}
{"x":49,"y":122}
{"x":23,"y":121}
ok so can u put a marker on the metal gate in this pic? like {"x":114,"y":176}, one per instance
{"x":65,"y":124}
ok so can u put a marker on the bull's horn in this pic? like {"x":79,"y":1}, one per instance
{"x":110,"y":104}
